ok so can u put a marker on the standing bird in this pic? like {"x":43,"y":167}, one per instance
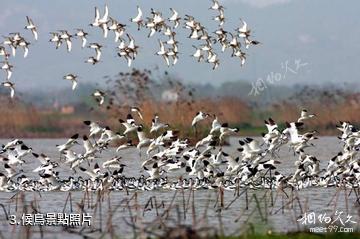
{"x":31,"y":26}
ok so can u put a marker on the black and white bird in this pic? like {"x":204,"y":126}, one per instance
{"x":199,"y":117}
{"x":11,"y":86}
{"x":216,"y":5}
{"x":129,"y":124}
{"x":97,"y":47}
{"x":226,"y":131}
{"x":66,"y":36}
{"x":99,"y":96}
{"x":244,"y":31}
{"x":7,"y":67}
{"x":156,"y":125}
{"x":31,"y":26}
{"x":94,"y":128}
{"x":305,"y":116}
{"x":68,"y":144}
{"x":175,"y":18}
{"x":83,"y":36}
{"x":136,"y":110}
{"x":55,"y":38}
{"x":73,"y":79}
{"x":113,"y":163}
{"x":143,"y":140}
{"x":138,"y":18}
{"x":101,"y":22}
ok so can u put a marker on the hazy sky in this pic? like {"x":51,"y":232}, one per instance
{"x":324,"y":34}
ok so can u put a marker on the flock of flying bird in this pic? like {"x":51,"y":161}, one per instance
{"x":128,"y":49}
{"x":172,"y":163}
{"x":169,"y":161}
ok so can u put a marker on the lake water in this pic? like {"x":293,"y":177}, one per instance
{"x":259,"y":210}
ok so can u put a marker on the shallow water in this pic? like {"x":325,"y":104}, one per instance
{"x":265,"y":214}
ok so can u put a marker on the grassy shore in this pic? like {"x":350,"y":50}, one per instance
{"x":21,"y":120}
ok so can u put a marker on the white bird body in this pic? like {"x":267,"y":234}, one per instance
{"x":129,"y":124}
{"x":112,"y":163}
{"x":82,"y":34}
{"x":216,"y":5}
{"x":305,"y":116}
{"x":31,"y":26}
{"x":215,"y":126}
{"x":95,"y":128}
{"x":13,"y":158}
{"x":11,"y":86}
{"x":90,"y":149}
{"x":99,"y":96}
{"x":125,"y":146}
{"x":138,"y":19}
{"x":69,"y":143}
{"x":73,"y":79}
{"x":199,"y":117}
{"x":174,"y":17}
{"x":205,"y":141}
{"x":143,"y":140}
{"x":244,"y":32}
{"x":226,"y":131}
{"x":156,"y":125}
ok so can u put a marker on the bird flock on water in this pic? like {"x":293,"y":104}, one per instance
{"x":165,"y":28}
{"x":169,"y":162}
